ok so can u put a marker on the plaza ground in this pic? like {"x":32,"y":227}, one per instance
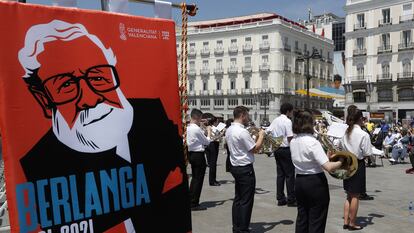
{"x":391,"y":187}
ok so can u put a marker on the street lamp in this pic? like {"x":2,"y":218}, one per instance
{"x":370,"y":87}
{"x":305,"y":58}
{"x":264,"y":97}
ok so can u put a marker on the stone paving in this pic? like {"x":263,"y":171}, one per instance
{"x":391,"y":187}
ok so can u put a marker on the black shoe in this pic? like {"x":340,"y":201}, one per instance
{"x":215,"y":184}
{"x":366,"y":197}
{"x":198,"y":208}
{"x":281,"y":203}
{"x":292,"y":204}
{"x":345,"y":226}
{"x":355,"y":228}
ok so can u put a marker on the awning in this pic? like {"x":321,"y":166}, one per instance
{"x":324,"y":93}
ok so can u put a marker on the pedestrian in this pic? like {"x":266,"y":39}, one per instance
{"x":197,"y":141}
{"x":212,"y":152}
{"x":242,"y":147}
{"x":282,"y":127}
{"x":311,"y":185}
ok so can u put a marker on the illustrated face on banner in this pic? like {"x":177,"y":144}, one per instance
{"x":84,"y":99}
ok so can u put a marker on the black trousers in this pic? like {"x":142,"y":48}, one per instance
{"x":312,"y":194}
{"x":212,"y":152}
{"x":228,"y":163}
{"x":198,"y":170}
{"x":245,"y":185}
{"x":285,"y":172}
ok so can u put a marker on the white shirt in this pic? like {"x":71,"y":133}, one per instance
{"x":358,"y":143}
{"x":196,"y":140}
{"x":281,"y":126}
{"x":308,"y":155}
{"x":240,"y":144}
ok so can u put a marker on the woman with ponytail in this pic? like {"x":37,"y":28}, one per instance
{"x":358,"y":142}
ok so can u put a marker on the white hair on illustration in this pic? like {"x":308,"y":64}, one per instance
{"x":40,"y":34}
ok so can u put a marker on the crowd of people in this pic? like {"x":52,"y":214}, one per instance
{"x":300,"y":161}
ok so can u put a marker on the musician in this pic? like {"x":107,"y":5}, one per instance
{"x":228,"y":163}
{"x":197,"y":141}
{"x":357,"y":142}
{"x":311,"y":186}
{"x":212,"y":151}
{"x":282,"y":126}
{"x":242,"y":147}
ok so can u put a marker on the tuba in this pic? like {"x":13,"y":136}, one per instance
{"x":350,"y":161}
{"x":270,"y":143}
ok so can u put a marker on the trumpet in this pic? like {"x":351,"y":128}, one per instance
{"x":270,"y":143}
{"x":350,"y":161}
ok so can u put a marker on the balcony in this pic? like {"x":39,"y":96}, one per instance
{"x":405,"y":46}
{"x":192,"y":93}
{"x":383,"y":23}
{"x":247,"y":48}
{"x":232,"y":70}
{"x":287,"y":47}
{"x":205,"y":71}
{"x":192,"y":52}
{"x":360,"y":26}
{"x":233,"y":49}
{"x":205,"y":52}
{"x":204,"y":92}
{"x":298,"y":51}
{"x":264,"y":67}
{"x":287,"y":68}
{"x":218,"y":92}
{"x":219,"y":51}
{"x":405,"y":76}
{"x":192,"y":72}
{"x":406,"y":18}
{"x":385,"y":49}
{"x":219,"y":71}
{"x":247,"y":91}
{"x":247,"y":69}
{"x":232,"y":92}
{"x":384,"y":78}
{"x":358,"y":79}
{"x":264,"y":45}
{"x":360,"y":52}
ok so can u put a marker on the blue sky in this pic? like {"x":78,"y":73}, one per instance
{"x":212,"y":9}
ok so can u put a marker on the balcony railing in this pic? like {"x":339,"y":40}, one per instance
{"x":382,"y":22}
{"x":232,"y":92}
{"x":218,"y":70}
{"x":204,"y":92}
{"x":360,"y":26}
{"x":298,"y":51}
{"x":247,"y":48}
{"x":405,"y":46}
{"x":406,"y":18}
{"x":205,"y":71}
{"x":287,"y":47}
{"x":384,"y":78}
{"x":219,"y":51}
{"x":264,"y":67}
{"x":192,"y":52}
{"x":360,"y":52}
{"x":205,"y":52}
{"x":358,"y":78}
{"x":233,"y":49}
{"x":232,"y":70}
{"x":192,"y":93}
{"x":286,"y":68}
{"x":218,"y":92}
{"x":247,"y":91}
{"x":247,"y":69}
{"x":405,"y":76}
{"x":264,"y":45}
{"x":192,"y":72}
{"x":385,"y":49}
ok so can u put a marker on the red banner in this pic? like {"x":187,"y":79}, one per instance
{"x":89,"y":116}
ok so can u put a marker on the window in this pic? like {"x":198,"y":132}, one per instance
{"x":407,"y":9}
{"x":296,"y":45}
{"x":406,"y":94}
{"x":406,"y":38}
{"x":407,"y":68}
{"x":265,"y":37}
{"x":296,"y":86}
{"x":248,"y":101}
{"x":385,"y":40}
{"x":247,"y":61}
{"x":385,"y":95}
{"x":265,"y":59}
{"x":205,"y":64}
{"x":248,"y":40}
{"x":219,"y":102}
{"x":247,"y":84}
{"x":205,"y":85}
{"x":305,"y":48}
{"x":386,"y":16}
{"x":191,"y":86}
{"x":233,"y":102}
{"x":232,"y":84}
{"x":233,"y":62}
{"x":264,"y":102}
{"x":359,"y":97}
{"x":360,"y":71}
{"x":192,"y":46}
{"x":265,"y":84}
{"x":361,"y":20}
{"x":219,"y":64}
{"x":233,"y":42}
{"x":360,"y":43}
{"x":218,"y":85}
{"x":205,"y":102}
{"x":192,"y":65}
{"x":205,"y":45}
{"x":219,"y":44}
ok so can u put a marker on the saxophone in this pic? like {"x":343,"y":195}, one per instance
{"x":270,"y":143}
{"x":350,"y":161}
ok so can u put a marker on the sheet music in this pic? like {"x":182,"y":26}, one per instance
{"x":337,"y":130}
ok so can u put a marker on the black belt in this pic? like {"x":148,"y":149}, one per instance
{"x":284,"y":148}
{"x":248,"y":165}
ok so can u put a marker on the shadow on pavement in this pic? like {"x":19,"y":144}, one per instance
{"x":261,"y":191}
{"x":226,"y":181}
{"x":212,"y":204}
{"x":261,"y":227}
{"x":365,"y":221}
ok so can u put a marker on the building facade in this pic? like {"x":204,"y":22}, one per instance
{"x":251,"y":61}
{"x":379,"y":57}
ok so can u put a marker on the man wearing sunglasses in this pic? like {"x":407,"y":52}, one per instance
{"x":96,"y":128}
